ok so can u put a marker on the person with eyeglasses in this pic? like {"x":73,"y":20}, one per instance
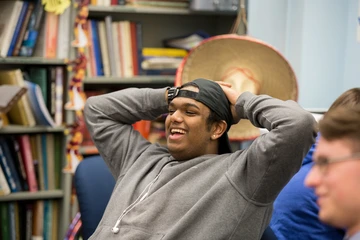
{"x":295,"y":214}
{"x":335,"y":176}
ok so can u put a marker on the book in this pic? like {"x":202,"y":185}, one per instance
{"x":134,"y":48}
{"x":91,"y":61}
{"x":164,"y":52}
{"x":9,"y":14}
{"x":63,"y":41}
{"x":110,"y":44}
{"x":32,"y":30}
{"x":117,"y":61}
{"x":104,"y":48}
{"x":12,"y":219}
{"x":126,"y":53}
{"x":23,"y":28}
{"x":58,"y":157}
{"x":187,"y":42}
{"x":52,"y":25}
{"x":18,"y":26}
{"x":55,"y":220}
{"x":47,"y":219}
{"x":44,"y":154}
{"x":38,"y":105}
{"x":28,"y":219}
{"x":15,"y":153}
{"x":157,"y":3}
{"x":38,"y":220}
{"x":39,"y":168}
{"x":38,"y":75}
{"x":97,"y":48}
{"x":9,"y":95}
{"x":4,"y":186}
{"x":8,"y":167}
{"x":27,"y":158}
{"x":139,"y":44}
{"x":5,"y":223}
{"x":59,"y":95}
{"x":20,"y":113}
{"x":50,"y":101}
{"x":50,"y":161}
{"x":46,"y":45}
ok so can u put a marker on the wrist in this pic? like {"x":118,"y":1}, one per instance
{"x":171,"y":93}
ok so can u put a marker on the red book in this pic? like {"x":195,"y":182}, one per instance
{"x":134,"y":48}
{"x":25,"y":149}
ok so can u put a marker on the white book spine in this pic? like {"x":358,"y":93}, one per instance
{"x":115,"y":36}
{"x":63,"y":46}
{"x":4,"y":186}
{"x":10,"y":28}
{"x":103,"y":48}
{"x":126,"y":47}
{"x":110,"y":44}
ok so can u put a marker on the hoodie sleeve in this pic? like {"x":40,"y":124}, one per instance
{"x":264,"y":168}
{"x":109,"y":119}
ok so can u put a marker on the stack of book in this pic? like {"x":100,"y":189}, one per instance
{"x":42,"y":104}
{"x":30,"y":163}
{"x":27,"y":30}
{"x":161,"y":61}
{"x":115,"y":48}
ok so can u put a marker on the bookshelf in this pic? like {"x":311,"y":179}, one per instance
{"x":61,"y":195}
{"x":56,"y":196}
{"x":31,"y":61}
{"x":157,"y":24}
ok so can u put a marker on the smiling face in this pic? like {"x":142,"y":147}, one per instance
{"x":337,"y":184}
{"x":187,"y":131}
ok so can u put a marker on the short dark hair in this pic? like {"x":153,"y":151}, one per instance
{"x":349,"y":98}
{"x":342,"y":120}
{"x":213,"y":117}
{"x":340,"y":123}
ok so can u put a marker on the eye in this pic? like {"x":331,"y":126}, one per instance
{"x":171,"y":111}
{"x":322,"y":161}
{"x":190,"y":113}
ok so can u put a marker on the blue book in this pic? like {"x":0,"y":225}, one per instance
{"x":8,"y":167}
{"x":17,"y":28}
{"x":38,"y":105}
{"x":32,"y":30}
{"x":97,"y":50}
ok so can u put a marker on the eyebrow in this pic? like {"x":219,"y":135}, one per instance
{"x":185,"y":105}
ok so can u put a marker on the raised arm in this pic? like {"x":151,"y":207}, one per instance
{"x":109,"y":119}
{"x":263,"y":169}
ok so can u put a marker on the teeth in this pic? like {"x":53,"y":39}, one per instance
{"x":177,"y":131}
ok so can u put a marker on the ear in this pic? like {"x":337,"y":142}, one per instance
{"x":218,"y":129}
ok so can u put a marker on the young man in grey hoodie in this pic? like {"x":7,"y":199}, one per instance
{"x":195,"y":188}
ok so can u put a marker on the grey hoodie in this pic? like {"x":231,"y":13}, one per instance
{"x":212,"y":197}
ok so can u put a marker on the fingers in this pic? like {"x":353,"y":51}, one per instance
{"x":225,"y":84}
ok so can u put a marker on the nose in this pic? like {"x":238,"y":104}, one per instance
{"x":176,"y":116}
{"x":313,"y":178}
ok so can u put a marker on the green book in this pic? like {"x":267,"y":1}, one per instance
{"x":38,"y":75}
{"x":5,"y":223}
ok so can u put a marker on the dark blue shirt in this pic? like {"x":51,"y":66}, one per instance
{"x":295,"y":214}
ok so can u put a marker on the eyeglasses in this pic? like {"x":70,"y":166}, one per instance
{"x":322,"y":163}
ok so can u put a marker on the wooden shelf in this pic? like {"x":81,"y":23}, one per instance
{"x":32,"y":195}
{"x":18,"y":129}
{"x":154,"y":10}
{"x":32,"y":61}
